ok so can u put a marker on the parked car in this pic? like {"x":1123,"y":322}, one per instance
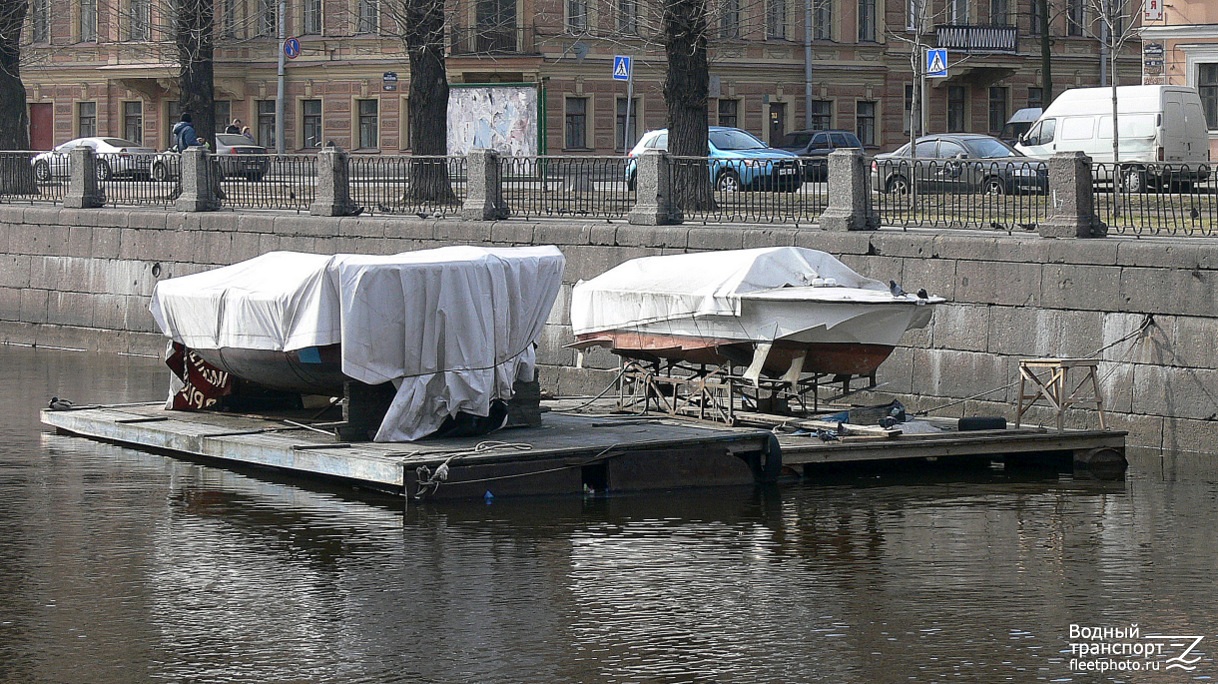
{"x":115,"y":157}
{"x":237,"y":155}
{"x":813,"y":148}
{"x":738,"y":160}
{"x":959,"y":163}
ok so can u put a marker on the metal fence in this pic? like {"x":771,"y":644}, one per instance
{"x":988,"y":195}
{"x":20,"y":183}
{"x":1156,"y":199}
{"x":566,"y":187}
{"x":747,"y":190}
{"x":126,"y":179}
{"x":400,"y":184}
{"x":267,"y":181}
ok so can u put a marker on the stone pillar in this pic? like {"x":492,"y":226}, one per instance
{"x":1071,"y":199}
{"x":850,"y":206}
{"x":333,"y":196}
{"x":483,"y":191}
{"x":83,"y":192}
{"x":200,"y":180}
{"x":653,"y":205}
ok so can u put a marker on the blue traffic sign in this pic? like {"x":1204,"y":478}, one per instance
{"x":291,"y":48}
{"x":936,"y":63}
{"x":621,"y":68}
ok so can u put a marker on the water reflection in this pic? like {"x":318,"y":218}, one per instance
{"x":123,"y":566}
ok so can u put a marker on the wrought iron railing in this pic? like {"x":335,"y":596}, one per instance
{"x":1156,"y":199}
{"x":978,"y":39}
{"x":20,"y":183}
{"x":744,"y":190}
{"x":938,"y":193}
{"x":402,"y":184}
{"x":267,"y":181}
{"x":566,"y":187}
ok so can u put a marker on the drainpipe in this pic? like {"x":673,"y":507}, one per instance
{"x":807,"y":64}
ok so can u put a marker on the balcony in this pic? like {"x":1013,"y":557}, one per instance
{"x":978,"y":40}
{"x":491,"y":40}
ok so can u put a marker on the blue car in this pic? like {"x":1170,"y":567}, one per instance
{"x":738,"y":160}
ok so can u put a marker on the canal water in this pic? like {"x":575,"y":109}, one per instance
{"x":123,"y":566}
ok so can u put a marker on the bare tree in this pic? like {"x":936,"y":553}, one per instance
{"x":420,"y":25}
{"x":14,"y":119}
{"x":194,"y":35}
{"x":685,"y":87}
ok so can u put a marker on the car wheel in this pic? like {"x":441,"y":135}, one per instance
{"x":1133,"y":180}
{"x":42,"y":170}
{"x":993,"y":186}
{"x":898,"y":185}
{"x":102,"y":169}
{"x":728,"y":181}
{"x":159,"y":172}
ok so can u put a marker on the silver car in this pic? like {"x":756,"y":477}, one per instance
{"x":236,"y":154}
{"x":115,"y":157}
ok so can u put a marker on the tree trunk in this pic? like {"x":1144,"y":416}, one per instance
{"x":429,"y":180}
{"x":16,"y":174}
{"x":195,"y":41}
{"x":685,"y":88}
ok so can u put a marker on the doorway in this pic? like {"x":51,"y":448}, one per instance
{"x":778,"y":122}
{"x":42,"y":126}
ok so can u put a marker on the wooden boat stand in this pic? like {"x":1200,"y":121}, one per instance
{"x":717,"y":393}
{"x":1049,"y":379}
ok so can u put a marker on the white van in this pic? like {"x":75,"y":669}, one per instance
{"x":1162,"y":130}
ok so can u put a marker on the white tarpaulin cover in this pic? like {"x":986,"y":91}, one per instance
{"x":708,"y":283}
{"x":452,"y":328}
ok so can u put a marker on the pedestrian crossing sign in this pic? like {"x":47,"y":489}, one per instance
{"x":621,"y":68}
{"x":936,"y":63}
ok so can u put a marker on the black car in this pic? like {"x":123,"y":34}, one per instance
{"x":813,"y":148}
{"x":959,"y":163}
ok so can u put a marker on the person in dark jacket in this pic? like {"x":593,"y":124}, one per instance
{"x":184,"y":134}
{"x":234,"y":127}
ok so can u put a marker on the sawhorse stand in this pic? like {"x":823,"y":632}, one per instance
{"x":1049,"y":378}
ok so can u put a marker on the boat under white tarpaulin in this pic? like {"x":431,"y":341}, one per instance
{"x":779,"y":310}
{"x":452,"y":328}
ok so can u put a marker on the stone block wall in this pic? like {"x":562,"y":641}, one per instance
{"x":81,"y":279}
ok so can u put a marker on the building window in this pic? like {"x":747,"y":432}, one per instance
{"x":624,"y":138}
{"x":369,"y":16}
{"x":866,"y":21}
{"x":577,"y":123}
{"x":577,"y":15}
{"x":222,"y":111}
{"x":1036,"y":97}
{"x":133,"y":122}
{"x":729,"y":113}
{"x":955,"y":109}
{"x":88,"y":21}
{"x":998,"y":109}
{"x":628,"y":17}
{"x":310,"y":122}
{"x":864,"y":122}
{"x":1074,"y":17}
{"x":959,"y":11}
{"x":228,"y":18}
{"x":913,"y":12}
{"x":138,"y":20}
{"x":40,"y":21}
{"x":173,"y":115}
{"x":266,"y":124}
{"x":1207,"y":86}
{"x":268,"y":18}
{"x":312,"y":17}
{"x":86,"y":119}
{"x":908,"y":118}
{"x":776,"y":19}
{"x":822,"y":115}
{"x":729,"y":19}
{"x":999,"y":12}
{"x":1036,"y":17}
{"x":823,"y":20}
{"x":368,"y":136}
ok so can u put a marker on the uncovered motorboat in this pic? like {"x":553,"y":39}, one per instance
{"x":452,"y":329}
{"x":780,"y":311}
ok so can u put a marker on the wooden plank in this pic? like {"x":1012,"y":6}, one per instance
{"x":771,"y":420}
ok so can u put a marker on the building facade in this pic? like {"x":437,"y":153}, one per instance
{"x":1180,"y":47}
{"x":776,"y":66}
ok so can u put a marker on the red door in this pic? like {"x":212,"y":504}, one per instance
{"x":42,"y":127}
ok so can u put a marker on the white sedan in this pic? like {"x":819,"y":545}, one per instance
{"x":115,"y":157}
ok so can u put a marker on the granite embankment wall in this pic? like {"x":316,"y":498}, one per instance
{"x":81,"y":279}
